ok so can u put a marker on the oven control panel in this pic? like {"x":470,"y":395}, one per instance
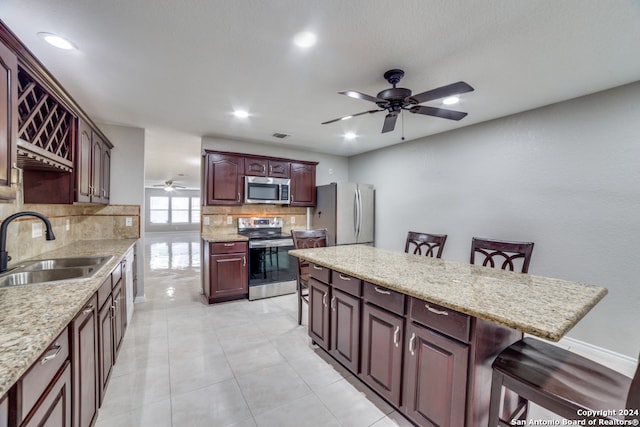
{"x":273,"y":222}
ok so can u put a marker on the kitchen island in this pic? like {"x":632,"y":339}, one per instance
{"x":423,"y":332}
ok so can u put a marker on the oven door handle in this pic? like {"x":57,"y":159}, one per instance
{"x":270,"y":243}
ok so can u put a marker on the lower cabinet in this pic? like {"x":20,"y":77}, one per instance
{"x":4,"y":411}
{"x":435,"y":378}
{"x":54,"y":409}
{"x":382,"y":333}
{"x":345,"y":329}
{"x":84,"y":356}
{"x":119,"y":316}
{"x":226,"y":271}
{"x":319,"y":312}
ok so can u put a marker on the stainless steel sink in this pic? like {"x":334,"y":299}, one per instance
{"x":52,"y":270}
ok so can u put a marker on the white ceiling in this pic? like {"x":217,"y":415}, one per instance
{"x":179,"y":68}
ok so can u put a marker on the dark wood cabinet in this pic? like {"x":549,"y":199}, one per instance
{"x":8,"y":119}
{"x":345,"y":329}
{"x":119,"y":317}
{"x":54,"y":409}
{"x":92,"y":167}
{"x":303,"y":184}
{"x":226,"y":271}
{"x":435,"y":378}
{"x":224,"y":179}
{"x":105,"y":345}
{"x":258,"y":166}
{"x":319,"y":313}
{"x":4,"y":411}
{"x":84,"y":362}
{"x":382,"y":335}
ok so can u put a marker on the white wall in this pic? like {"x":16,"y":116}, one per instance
{"x":330,"y":168}
{"x":566,"y":177}
{"x":127,"y":178}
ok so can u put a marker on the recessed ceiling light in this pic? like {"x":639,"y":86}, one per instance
{"x":241,"y":114}
{"x":350,"y":135}
{"x":57,"y":41}
{"x":450,"y":100}
{"x":304,"y":39}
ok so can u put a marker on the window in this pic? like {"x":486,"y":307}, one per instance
{"x":174,"y":210}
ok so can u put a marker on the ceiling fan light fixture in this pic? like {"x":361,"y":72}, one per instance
{"x":451,"y":100}
{"x":350,"y":135}
{"x":57,"y":41}
{"x":346,"y":117}
{"x":305,"y":39}
{"x":241,"y":114}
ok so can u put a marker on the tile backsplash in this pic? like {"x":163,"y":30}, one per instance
{"x":219,"y":216}
{"x":70,"y":223}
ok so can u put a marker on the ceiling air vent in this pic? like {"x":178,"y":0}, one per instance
{"x":280,"y":135}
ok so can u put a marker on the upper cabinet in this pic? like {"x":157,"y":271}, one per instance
{"x":223,"y":177}
{"x":254,"y":166}
{"x":63,"y":155}
{"x":8,"y":119}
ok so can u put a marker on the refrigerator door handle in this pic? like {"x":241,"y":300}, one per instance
{"x":359,"y":209}
{"x":355,"y":214}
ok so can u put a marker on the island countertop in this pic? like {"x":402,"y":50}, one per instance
{"x":545,"y":307}
{"x":32,"y":316}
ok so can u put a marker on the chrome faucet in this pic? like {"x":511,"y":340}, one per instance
{"x":4,"y":256}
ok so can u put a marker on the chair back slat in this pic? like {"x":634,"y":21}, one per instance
{"x":502,"y":254}
{"x":425,"y":244}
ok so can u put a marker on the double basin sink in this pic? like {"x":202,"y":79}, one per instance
{"x":52,"y":270}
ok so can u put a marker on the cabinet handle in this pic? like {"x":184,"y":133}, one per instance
{"x":113,"y":312}
{"x":333,"y":303}
{"x":381,"y":291}
{"x":324,"y":299}
{"x":229,"y":245}
{"x":433,"y":310}
{"x":396,"y":335}
{"x":238,"y":196}
{"x":344,"y":277}
{"x":315,"y":267}
{"x":52,"y":353}
{"x":244,"y":261}
{"x":88,"y":310}
{"x":270,"y":169}
{"x":412,"y":341}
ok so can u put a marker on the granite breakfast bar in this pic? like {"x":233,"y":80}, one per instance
{"x":428,"y":329}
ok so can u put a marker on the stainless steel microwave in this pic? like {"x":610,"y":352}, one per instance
{"x":258,"y":189}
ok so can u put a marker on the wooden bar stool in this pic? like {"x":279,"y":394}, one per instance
{"x":510,"y":251}
{"x":418,"y":243}
{"x":304,"y":239}
{"x":565,"y":383}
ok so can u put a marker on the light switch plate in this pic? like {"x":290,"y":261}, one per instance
{"x":206,"y":220}
{"x":293,"y":220}
{"x":128,"y":221}
{"x":36,"y":229}
{"x":68,"y":224}
{"x":229,"y":220}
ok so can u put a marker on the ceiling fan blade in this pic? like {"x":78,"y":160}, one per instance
{"x":389,"y":122}
{"x":441,"y":92}
{"x":438,"y":112}
{"x":350,"y":116}
{"x":363,"y":96}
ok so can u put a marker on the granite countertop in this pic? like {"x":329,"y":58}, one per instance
{"x":32,"y":316}
{"x":217,"y":237}
{"x":540,"y":306}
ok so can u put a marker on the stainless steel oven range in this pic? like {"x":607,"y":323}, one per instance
{"x":272,"y":271}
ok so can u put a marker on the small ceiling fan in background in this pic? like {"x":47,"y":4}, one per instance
{"x":169,"y":185}
{"x":396,"y":99}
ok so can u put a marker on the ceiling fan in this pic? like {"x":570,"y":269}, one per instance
{"x":396,"y":99}
{"x":169,"y":185}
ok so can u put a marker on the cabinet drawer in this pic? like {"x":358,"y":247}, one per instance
{"x":116,"y":275}
{"x":104,"y":291}
{"x":383,"y":297}
{"x":319,"y":272}
{"x":36,"y":380}
{"x":227,"y":247}
{"x":445,"y":320}
{"x":346,"y":283}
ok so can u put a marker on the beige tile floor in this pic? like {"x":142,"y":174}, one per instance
{"x":245,"y":363}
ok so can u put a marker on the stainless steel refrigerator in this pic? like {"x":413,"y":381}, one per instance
{"x":345,"y":209}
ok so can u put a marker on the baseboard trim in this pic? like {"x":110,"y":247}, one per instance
{"x":620,"y":362}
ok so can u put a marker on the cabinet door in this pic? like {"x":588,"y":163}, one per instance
{"x":97,"y":147}
{"x":278,"y":169}
{"x":435,"y":378}
{"x":9,"y":114}
{"x":84,"y":361}
{"x":119,"y":315}
{"x":224,"y":179}
{"x":105,"y":345}
{"x":255,"y":166}
{"x":105,"y":179}
{"x":228,"y":275}
{"x":303,"y":184}
{"x":319,"y":297}
{"x":345,"y":329}
{"x":83,"y":163}
{"x":382,"y":334}
{"x":54,"y":407}
{"x":4,"y":411}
